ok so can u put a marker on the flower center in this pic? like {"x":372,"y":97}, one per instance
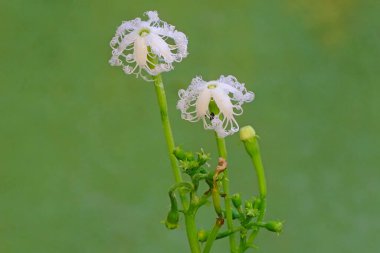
{"x":144,"y":32}
{"x":211,"y":86}
{"x":213,"y":109}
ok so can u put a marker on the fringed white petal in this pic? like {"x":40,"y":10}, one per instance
{"x":179,"y":49}
{"x":159,"y":47}
{"x":238,"y":90}
{"x":223,"y":102}
{"x":125,"y":41}
{"x":181,"y":44}
{"x":153,"y":16}
{"x":127,"y":26}
{"x":140,"y":52}
{"x":159,"y":68}
{"x":202,"y":103}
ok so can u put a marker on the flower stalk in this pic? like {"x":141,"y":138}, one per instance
{"x":222,"y":150}
{"x":249,"y":138}
{"x":191,"y":229}
{"x":213,"y":235}
{"x":162,"y":103}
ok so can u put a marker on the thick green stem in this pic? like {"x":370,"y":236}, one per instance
{"x":191,"y":231}
{"x":226,"y":188}
{"x":214,"y":232}
{"x":189,"y":219}
{"x":221,"y":147}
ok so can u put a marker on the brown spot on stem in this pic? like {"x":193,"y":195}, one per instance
{"x":222,"y":166}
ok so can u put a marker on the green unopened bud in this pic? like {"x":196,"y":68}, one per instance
{"x":172,"y":219}
{"x":189,"y":167}
{"x":248,"y":204}
{"x":193,"y":164}
{"x":247,"y":133}
{"x":179,"y":153}
{"x":248,"y":137}
{"x":202,"y":235}
{"x":250,"y":210}
{"x":189,"y":156}
{"x":274,"y":226}
{"x":256,"y":202}
{"x":236,"y":200}
{"x":203,"y":158}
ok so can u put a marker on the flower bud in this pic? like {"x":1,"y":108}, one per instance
{"x":247,"y":133}
{"x":250,"y":210}
{"x":203,"y":158}
{"x":256,"y":202}
{"x":274,"y":226}
{"x":248,"y":204}
{"x":179,"y":153}
{"x":236,"y":200}
{"x":189,"y":156}
{"x":189,"y":167}
{"x":249,"y":138}
{"x":202,"y":235}
{"x":172,"y":219}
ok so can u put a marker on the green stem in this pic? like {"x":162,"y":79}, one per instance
{"x":226,"y":188}
{"x":258,"y":164}
{"x":161,"y":97}
{"x":191,"y":231}
{"x":243,"y":238}
{"x":227,"y":233}
{"x":254,"y":151}
{"x":189,"y":220}
{"x":212,"y":236}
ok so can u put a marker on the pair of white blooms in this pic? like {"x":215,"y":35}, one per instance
{"x":152,"y":46}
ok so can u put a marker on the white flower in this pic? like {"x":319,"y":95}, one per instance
{"x":136,"y":44}
{"x":228,"y":95}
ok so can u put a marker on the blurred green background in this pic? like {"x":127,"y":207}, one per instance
{"x":83,"y":166}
